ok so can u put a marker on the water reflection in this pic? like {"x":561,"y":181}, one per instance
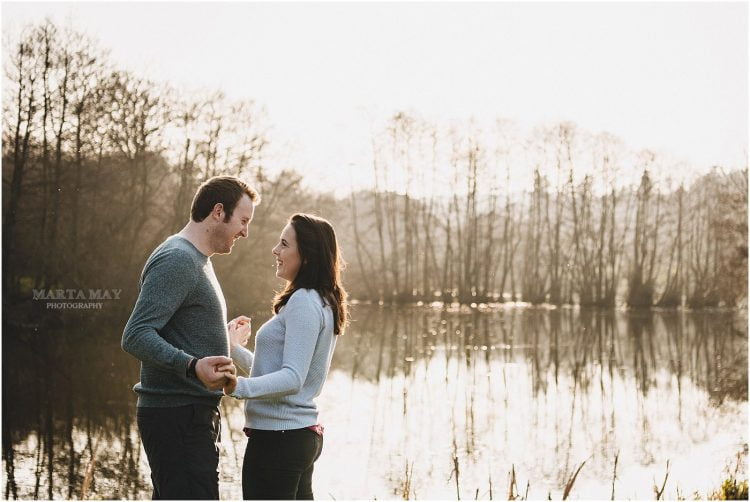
{"x":422,"y":403}
{"x":68,"y":422}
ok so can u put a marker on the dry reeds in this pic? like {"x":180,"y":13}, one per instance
{"x":406,"y":488}
{"x":456,"y":471}
{"x":512,"y":487}
{"x":659,"y":492}
{"x":614,"y":475}
{"x":571,"y":481}
{"x":88,"y":477}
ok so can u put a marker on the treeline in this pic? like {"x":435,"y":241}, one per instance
{"x":100,"y":165}
{"x":592,"y":223}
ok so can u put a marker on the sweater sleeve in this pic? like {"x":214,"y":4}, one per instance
{"x":242,"y":358}
{"x":303,"y":320}
{"x":165,"y":284}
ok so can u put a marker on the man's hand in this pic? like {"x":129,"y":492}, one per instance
{"x":229,"y":370}
{"x":213,"y":371}
{"x":239,"y":330}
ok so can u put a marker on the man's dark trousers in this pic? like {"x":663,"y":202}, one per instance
{"x":182,"y":446}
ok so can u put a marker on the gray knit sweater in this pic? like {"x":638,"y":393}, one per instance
{"x":293,"y":353}
{"x":180,"y":314}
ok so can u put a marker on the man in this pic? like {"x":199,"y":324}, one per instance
{"x":178,"y":330}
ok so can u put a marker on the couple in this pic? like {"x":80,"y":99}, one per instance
{"x":179,"y":332}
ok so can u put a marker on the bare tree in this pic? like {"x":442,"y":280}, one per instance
{"x":674,"y":289}
{"x":23,"y":76}
{"x":535,"y":285}
{"x":642,"y":272}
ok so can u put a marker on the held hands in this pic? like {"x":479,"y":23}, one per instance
{"x":230,"y":384}
{"x":219,"y":372}
{"x":230,"y":377}
{"x":239,"y":330}
{"x":216,"y":372}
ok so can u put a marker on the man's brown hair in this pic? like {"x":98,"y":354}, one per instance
{"x":224,"y":190}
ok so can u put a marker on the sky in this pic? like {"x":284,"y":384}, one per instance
{"x":671,"y":77}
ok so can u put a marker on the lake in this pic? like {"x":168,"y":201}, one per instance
{"x":424,"y":402}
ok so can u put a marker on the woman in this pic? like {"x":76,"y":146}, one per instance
{"x":293,"y":352}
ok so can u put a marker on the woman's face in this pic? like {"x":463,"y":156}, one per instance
{"x":287,"y":255}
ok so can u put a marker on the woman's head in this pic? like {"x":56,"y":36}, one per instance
{"x":308,"y":256}
{"x":287,"y":254}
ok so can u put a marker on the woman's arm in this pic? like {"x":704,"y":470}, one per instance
{"x":239,"y":331}
{"x":303,"y":320}
{"x":242,"y":358}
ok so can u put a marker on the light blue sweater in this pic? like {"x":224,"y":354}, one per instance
{"x":293,"y":353}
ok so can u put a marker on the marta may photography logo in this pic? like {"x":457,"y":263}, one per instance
{"x":80,"y":299}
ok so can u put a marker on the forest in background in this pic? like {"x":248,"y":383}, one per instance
{"x":100,"y":166}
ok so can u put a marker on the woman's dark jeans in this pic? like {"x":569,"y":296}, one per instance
{"x":278,"y":465}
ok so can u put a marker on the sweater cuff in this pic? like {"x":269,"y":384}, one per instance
{"x":180,"y":363}
{"x":242,"y":389}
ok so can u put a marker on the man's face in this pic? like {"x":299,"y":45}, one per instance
{"x":226,"y":233}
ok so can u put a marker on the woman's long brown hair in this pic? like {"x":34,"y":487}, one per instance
{"x":320,"y":268}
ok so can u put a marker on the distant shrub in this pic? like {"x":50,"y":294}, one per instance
{"x":731,"y":489}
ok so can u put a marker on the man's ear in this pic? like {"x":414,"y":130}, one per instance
{"x":218,"y":211}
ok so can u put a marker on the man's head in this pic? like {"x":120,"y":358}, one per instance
{"x":224,"y":207}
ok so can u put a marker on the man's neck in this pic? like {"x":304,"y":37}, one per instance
{"x":198,"y":235}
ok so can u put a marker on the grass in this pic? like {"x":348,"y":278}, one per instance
{"x":731,"y":488}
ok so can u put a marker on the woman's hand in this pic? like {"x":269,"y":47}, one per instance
{"x":230,"y":383}
{"x":229,"y":371}
{"x":239,"y":330}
